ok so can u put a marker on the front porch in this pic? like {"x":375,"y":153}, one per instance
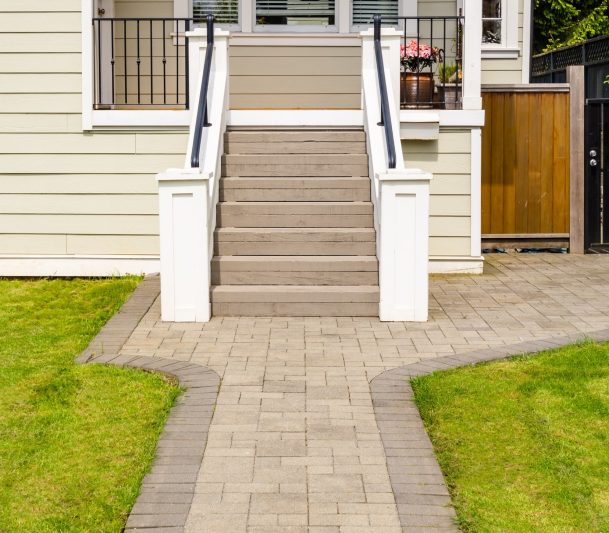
{"x":308,"y":59}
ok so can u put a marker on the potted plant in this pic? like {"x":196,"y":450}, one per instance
{"x":417,"y":86}
{"x":449,"y":86}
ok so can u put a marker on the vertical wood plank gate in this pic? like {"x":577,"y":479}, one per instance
{"x":525,"y":164}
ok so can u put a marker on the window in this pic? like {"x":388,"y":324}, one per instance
{"x":295,"y":13}
{"x":226,"y":12}
{"x":492,"y":19}
{"x":363,"y":10}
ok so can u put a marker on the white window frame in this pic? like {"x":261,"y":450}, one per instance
{"x":183,"y":9}
{"x":508,"y":47}
{"x":406,"y":8}
{"x":305,"y":28}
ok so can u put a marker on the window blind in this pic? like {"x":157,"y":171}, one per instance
{"x":224,"y":11}
{"x":363,"y":11}
{"x":295,"y":12}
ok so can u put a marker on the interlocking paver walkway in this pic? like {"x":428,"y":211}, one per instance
{"x":294,"y":445}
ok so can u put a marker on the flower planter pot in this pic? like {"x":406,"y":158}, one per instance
{"x":416,"y":89}
{"x":450,"y":95}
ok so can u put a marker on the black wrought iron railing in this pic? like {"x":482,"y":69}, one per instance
{"x":385,"y":110}
{"x":432,"y":62}
{"x":202,"y":121}
{"x":140,"y":62}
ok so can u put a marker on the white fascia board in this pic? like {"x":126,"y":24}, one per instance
{"x":456,"y":117}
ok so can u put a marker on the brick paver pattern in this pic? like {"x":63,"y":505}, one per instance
{"x":294,"y":445}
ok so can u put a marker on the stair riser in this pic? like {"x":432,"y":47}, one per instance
{"x":295,"y":309}
{"x":220,"y":277}
{"x":299,"y":170}
{"x":294,"y":221}
{"x":294,"y":195}
{"x":280,"y":136}
{"x":294,"y":248}
{"x":309,"y":147}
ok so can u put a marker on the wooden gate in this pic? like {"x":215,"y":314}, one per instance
{"x":525,"y":164}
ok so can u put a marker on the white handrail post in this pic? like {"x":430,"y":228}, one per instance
{"x":404,"y":245}
{"x":188,"y":196}
{"x":400,"y":196}
{"x":185,"y":261}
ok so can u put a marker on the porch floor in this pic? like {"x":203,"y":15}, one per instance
{"x":294,"y":444}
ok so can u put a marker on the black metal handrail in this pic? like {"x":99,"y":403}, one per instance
{"x":202,"y":121}
{"x":385,"y":110}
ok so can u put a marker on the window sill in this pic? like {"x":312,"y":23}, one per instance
{"x":500,"y":53}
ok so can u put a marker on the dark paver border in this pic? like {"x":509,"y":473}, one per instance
{"x":167,"y":491}
{"x":420,"y":491}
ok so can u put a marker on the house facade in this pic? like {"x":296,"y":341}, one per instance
{"x":99,"y":96}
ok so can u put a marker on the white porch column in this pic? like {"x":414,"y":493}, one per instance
{"x":185,"y":261}
{"x":472,"y":47}
{"x":404,"y":245}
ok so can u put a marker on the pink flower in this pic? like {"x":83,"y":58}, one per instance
{"x":415,"y":56}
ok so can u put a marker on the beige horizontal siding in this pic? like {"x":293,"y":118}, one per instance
{"x":63,"y":191}
{"x":295,"y":77}
{"x":449,"y":159}
{"x":143,"y":8}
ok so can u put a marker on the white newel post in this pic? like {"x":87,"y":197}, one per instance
{"x":185,"y":261}
{"x":404,"y":246}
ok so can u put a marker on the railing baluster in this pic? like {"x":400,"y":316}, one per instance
{"x":177,"y":62}
{"x":125,"y":57}
{"x":100,"y":97}
{"x":445,"y":62}
{"x":431,"y":44}
{"x":138,"y":62}
{"x":151,"y":68}
{"x":164,"y":63}
{"x":187,"y":63}
{"x":418,"y":58}
{"x":113,"y":60}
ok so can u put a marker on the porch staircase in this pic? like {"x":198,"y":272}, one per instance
{"x":295,"y":233}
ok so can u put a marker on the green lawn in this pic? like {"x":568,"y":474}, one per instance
{"x":75,"y":441}
{"x":524,"y":443}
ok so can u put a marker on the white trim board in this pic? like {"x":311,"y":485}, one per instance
{"x":119,"y":265}
{"x":77,"y":265}
{"x":453,"y":117}
{"x":142,"y":118}
{"x":456,"y":265}
{"x":299,"y":117}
